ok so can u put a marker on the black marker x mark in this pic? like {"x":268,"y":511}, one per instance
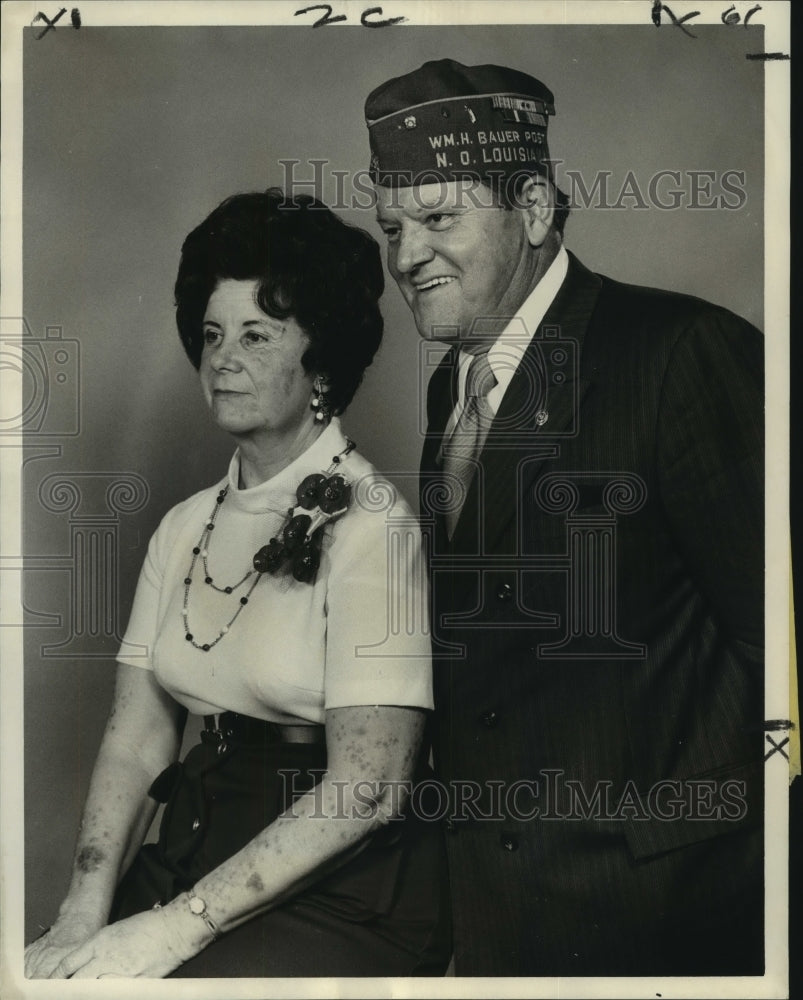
{"x":50,"y":24}
{"x":776,"y":748}
{"x":658,"y":7}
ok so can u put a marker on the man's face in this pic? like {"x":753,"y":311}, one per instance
{"x":456,"y":256}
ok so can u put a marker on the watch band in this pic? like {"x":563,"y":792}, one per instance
{"x":198,"y":907}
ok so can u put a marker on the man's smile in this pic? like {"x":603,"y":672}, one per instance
{"x":425,"y":286}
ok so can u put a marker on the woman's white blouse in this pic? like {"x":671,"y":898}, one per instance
{"x":359,"y":635}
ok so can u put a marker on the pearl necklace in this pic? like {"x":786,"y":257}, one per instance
{"x":307,"y":497}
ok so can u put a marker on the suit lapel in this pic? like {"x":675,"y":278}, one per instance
{"x":540,"y":408}
{"x":441,"y":400}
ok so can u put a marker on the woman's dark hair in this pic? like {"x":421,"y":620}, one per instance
{"x":310,"y":266}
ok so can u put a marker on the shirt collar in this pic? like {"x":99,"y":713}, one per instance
{"x":279,"y":491}
{"x":509,"y":347}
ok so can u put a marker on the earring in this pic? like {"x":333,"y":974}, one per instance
{"x":323,"y":410}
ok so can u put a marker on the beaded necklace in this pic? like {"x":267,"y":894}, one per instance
{"x":320,"y":497}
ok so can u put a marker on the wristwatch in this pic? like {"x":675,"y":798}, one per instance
{"x":198,"y":907}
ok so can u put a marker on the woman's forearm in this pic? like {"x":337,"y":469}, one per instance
{"x":116,"y":817}
{"x":142,"y":737}
{"x":320,"y":830}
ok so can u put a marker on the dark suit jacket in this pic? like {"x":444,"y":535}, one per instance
{"x":598,"y":631}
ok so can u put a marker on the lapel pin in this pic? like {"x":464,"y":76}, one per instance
{"x":541,"y":418}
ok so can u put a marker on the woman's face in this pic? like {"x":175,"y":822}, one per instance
{"x":251,"y":370}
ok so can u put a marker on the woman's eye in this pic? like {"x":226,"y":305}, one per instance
{"x":438,"y":219}
{"x":252,"y":337}
{"x":391,"y":234}
{"x":210,"y":336}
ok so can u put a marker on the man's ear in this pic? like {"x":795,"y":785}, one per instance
{"x":537,"y":202}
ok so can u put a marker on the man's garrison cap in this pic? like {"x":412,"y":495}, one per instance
{"x":446,"y":122}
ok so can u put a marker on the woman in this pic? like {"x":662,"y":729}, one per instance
{"x":263,"y":605}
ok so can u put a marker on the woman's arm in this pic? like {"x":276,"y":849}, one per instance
{"x":142,"y":737}
{"x":372,"y":753}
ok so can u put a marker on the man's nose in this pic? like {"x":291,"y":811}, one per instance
{"x":413,"y":250}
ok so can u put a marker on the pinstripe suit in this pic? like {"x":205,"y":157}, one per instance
{"x":607,"y":570}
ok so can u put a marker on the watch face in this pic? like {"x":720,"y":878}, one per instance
{"x":197,"y":905}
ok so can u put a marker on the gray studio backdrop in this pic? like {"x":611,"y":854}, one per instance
{"x":132,"y":135}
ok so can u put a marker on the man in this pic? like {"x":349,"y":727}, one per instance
{"x":591,"y":483}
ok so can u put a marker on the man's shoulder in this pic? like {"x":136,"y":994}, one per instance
{"x":641,"y":321}
{"x":639,"y":328}
{"x":643,"y":308}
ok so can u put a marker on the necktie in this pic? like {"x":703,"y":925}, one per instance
{"x":461,"y":452}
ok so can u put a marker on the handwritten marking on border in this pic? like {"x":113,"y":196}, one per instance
{"x":658,"y":8}
{"x":50,"y":24}
{"x":778,"y":725}
{"x":729,"y":17}
{"x":366,"y":19}
{"x":327,"y":17}
{"x":776,"y":748}
{"x":378,"y":24}
{"x":75,"y":20}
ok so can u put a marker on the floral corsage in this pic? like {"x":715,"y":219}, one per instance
{"x":319,"y":499}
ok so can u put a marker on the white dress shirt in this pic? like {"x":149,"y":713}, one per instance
{"x":507,"y":351}
{"x":358,"y":635}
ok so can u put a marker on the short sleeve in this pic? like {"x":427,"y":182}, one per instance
{"x":146,"y":612}
{"x":137,"y":645}
{"x":378,"y":648}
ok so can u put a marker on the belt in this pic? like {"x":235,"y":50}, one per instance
{"x":225,"y":727}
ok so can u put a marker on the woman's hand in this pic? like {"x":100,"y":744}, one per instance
{"x":147,"y":944}
{"x":142,"y":736}
{"x":67,"y":933}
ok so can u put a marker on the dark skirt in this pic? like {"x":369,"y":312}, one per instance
{"x":385,"y":912}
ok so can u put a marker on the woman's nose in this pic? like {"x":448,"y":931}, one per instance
{"x":224,"y":355}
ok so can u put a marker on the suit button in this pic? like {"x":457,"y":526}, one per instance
{"x":489,"y":719}
{"x":196,"y":824}
{"x":509,"y":842}
{"x":450,"y":826}
{"x":504,"y":592}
